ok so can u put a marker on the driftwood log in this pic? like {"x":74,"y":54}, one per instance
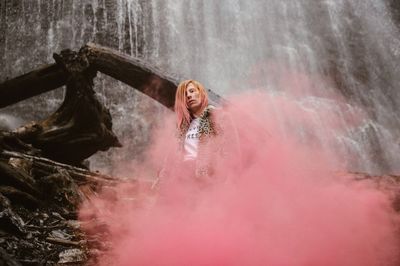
{"x":43,"y":79}
{"x":133,"y":71}
{"x":81,"y":126}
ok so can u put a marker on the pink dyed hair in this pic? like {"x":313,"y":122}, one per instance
{"x":181,"y":107}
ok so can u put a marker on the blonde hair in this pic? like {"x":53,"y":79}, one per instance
{"x":181,"y":107}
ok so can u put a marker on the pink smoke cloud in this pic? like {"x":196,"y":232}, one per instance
{"x":275,"y":201}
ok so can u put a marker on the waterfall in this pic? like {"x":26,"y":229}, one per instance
{"x":350,"y":47}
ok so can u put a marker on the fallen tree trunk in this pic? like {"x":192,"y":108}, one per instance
{"x":38,"y":178}
{"x":80,"y":175}
{"x":131,"y":70}
{"x":137,"y":73}
{"x":134,"y":72}
{"x":41,"y":80}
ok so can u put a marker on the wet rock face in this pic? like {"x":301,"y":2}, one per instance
{"x":51,"y":26}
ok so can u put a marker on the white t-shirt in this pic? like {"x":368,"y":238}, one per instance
{"x":192,"y":140}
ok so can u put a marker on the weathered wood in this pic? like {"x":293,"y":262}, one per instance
{"x":64,"y":241}
{"x":7,"y":260}
{"x":11,"y":176}
{"x":38,"y":81}
{"x":134,"y":72}
{"x":49,"y":183}
{"x":19,"y":197}
{"x":9,"y":220}
{"x":81,"y":126}
{"x":10,"y":141}
{"x":80,"y":175}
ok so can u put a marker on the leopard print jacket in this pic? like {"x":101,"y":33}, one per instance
{"x":207,"y":130}
{"x":207,"y":127}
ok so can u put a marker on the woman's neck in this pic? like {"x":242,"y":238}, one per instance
{"x":197,"y":114}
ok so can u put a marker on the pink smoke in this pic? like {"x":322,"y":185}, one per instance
{"x":275,"y":201}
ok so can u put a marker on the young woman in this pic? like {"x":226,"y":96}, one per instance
{"x":203,"y":134}
{"x":195,"y":123}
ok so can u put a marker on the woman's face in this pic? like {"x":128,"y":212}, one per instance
{"x":193,"y":98}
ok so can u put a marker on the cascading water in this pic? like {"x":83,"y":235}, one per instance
{"x":318,"y":47}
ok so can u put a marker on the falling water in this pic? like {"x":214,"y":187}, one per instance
{"x":346,"y":46}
